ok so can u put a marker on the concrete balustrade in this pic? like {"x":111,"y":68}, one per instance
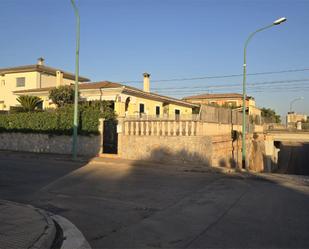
{"x":160,"y":128}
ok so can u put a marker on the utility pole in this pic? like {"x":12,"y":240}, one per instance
{"x":277,"y":22}
{"x":75,"y":122}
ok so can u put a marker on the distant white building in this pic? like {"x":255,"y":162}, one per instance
{"x":293,"y":118}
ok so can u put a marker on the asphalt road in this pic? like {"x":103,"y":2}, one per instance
{"x":158,"y":206}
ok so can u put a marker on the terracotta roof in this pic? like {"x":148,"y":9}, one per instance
{"x":90,"y":85}
{"x":215,"y":96}
{"x":125,"y":89}
{"x":100,"y":84}
{"x":42,"y":69}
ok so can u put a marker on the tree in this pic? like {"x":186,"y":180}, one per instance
{"x":105,"y":107}
{"x":270,"y":116}
{"x":62,"y":95}
{"x":29,"y":103}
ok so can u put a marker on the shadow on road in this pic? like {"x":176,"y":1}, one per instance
{"x":137,"y":204}
{"x":22,"y":174}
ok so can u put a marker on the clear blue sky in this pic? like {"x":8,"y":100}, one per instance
{"x":121,"y":39}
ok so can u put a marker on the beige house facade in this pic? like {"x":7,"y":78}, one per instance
{"x":129,"y":102}
{"x":23,"y":78}
{"x":293,"y":118}
{"x":226,"y":99}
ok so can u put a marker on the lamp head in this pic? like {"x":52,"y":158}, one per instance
{"x":279,"y":21}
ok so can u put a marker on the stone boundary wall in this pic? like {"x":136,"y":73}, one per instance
{"x":226,"y":152}
{"x":177,"y":149}
{"x":219,"y":150}
{"x":44,"y":143}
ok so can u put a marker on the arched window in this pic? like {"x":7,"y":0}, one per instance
{"x":127,"y":104}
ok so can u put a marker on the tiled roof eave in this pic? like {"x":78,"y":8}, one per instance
{"x":42,"y":69}
{"x":159,"y":97}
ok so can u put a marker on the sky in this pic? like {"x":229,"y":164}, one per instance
{"x":170,"y":39}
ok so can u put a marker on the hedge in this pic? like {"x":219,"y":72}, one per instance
{"x":57,"y":122}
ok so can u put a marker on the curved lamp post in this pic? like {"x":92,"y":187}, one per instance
{"x":75,"y":124}
{"x":294,"y":100}
{"x":277,"y":22}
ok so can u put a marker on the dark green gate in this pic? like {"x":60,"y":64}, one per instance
{"x":110,"y":137}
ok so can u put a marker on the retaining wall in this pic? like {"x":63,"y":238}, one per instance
{"x":30,"y":142}
{"x":183,"y":149}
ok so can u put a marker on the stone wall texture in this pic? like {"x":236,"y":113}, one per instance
{"x":87,"y":145}
{"x":185,"y":149}
{"x":219,"y":150}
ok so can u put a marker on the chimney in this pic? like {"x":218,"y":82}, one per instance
{"x":59,"y":78}
{"x":146,"y":82}
{"x":40,"y":61}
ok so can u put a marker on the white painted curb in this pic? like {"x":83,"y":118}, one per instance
{"x":73,"y":237}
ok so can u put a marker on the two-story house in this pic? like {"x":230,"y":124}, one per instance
{"x":35,"y":76}
{"x":226,"y":99}
{"x":128,"y":101}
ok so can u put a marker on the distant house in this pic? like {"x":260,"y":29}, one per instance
{"x":292,"y":118}
{"x":127,"y":101}
{"x":225,"y":99}
{"x":23,"y":78}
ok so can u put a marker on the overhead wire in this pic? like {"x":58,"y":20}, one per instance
{"x":219,"y":76}
{"x":280,"y":82}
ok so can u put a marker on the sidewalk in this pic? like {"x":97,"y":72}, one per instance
{"x":23,"y":226}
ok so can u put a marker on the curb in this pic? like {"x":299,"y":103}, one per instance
{"x":73,"y":238}
{"x":44,"y":155}
{"x":191,"y":166}
{"x":47,"y":236}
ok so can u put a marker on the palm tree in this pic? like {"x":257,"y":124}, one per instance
{"x":29,"y":103}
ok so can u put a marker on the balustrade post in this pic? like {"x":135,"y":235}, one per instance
{"x":152,"y":128}
{"x":158,"y":128}
{"x":142,"y":128}
{"x":147,"y":128}
{"x":163,"y":128}
{"x":180,"y":127}
{"x":168,"y":128}
{"x":174,"y":128}
{"x":136,"y":128}
{"x":187,"y":128}
{"x":193,"y":128}
{"x":126,"y":128}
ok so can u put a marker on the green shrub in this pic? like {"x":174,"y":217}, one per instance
{"x":29,"y":103}
{"x":105,"y":107}
{"x":62,"y":95}
{"x":58,"y":121}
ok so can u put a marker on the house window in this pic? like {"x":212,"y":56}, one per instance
{"x":141,"y":108}
{"x":157,"y":110}
{"x":177,"y":114}
{"x":2,"y":83}
{"x":20,"y":81}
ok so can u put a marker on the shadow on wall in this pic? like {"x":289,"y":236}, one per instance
{"x":165,"y":155}
{"x":230,"y":163}
{"x":184,"y":158}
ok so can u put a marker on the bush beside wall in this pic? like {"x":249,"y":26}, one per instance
{"x":58,"y":121}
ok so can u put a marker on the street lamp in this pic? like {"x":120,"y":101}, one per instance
{"x":277,"y":22}
{"x":294,"y":100}
{"x":75,"y":122}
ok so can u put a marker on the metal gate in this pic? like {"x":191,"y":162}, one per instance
{"x":110,"y":137}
